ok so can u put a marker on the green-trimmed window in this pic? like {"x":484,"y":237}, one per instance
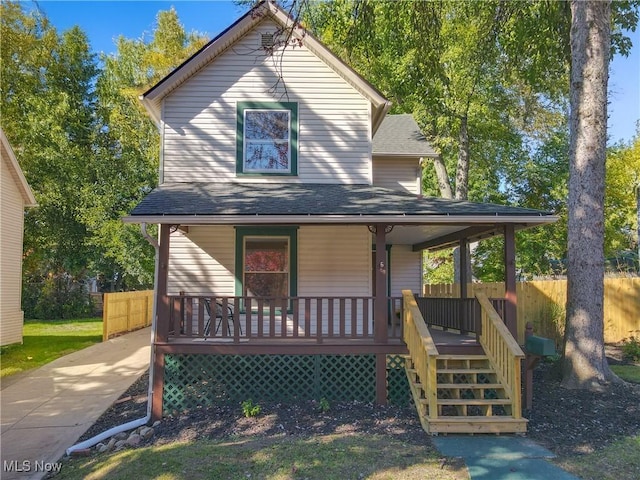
{"x":266,"y":262}
{"x":267,"y":138}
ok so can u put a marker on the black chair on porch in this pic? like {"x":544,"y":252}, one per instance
{"x":219,"y":316}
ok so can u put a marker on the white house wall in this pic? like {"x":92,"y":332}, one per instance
{"x":396,"y":173}
{"x":200,"y":117}
{"x":406,"y":268}
{"x":11,"y":233}
{"x":334,"y":261}
{"x":202,"y":261}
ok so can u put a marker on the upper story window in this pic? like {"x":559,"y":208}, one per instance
{"x":267,"y":138}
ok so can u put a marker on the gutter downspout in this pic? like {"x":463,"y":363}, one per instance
{"x":144,"y":420}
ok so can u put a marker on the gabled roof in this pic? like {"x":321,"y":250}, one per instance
{"x":152,"y":98}
{"x":399,"y":135}
{"x":16,"y":172}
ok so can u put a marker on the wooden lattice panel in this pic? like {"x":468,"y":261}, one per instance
{"x":193,"y":381}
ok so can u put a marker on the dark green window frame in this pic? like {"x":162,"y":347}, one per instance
{"x":290,"y":232}
{"x":240,"y":109}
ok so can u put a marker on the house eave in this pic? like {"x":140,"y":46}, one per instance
{"x":524,"y":221}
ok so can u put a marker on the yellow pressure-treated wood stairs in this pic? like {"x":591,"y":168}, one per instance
{"x":469,"y":399}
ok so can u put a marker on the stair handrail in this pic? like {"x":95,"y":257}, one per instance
{"x":503,"y":352}
{"x":422,"y":350}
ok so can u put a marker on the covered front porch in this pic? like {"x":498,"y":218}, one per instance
{"x":337,"y":288}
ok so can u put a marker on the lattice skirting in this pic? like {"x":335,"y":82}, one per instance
{"x":198,"y":380}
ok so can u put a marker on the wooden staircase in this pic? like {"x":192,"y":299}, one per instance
{"x":465,"y":393}
{"x":469,"y":398}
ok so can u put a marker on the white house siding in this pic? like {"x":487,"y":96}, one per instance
{"x":405,"y":270}
{"x":396,"y":173}
{"x":11,"y":232}
{"x":200,"y":116}
{"x":335,"y":261}
{"x":202,"y":261}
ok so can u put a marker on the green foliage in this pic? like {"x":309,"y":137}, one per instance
{"x":438,"y":267}
{"x":323,"y":405}
{"x":54,"y":296}
{"x":250,"y":409}
{"x":88,"y":151}
{"x":631,"y":348}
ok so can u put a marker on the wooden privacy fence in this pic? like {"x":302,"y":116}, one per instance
{"x":543,"y":303}
{"x":125,"y":312}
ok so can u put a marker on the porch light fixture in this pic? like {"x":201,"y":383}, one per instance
{"x":374,"y":230}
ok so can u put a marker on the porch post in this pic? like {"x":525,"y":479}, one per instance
{"x":381,"y":312}
{"x":510,"y":313}
{"x":464,"y":280}
{"x":162,"y":307}
{"x":162,"y":322}
{"x":464,"y":267}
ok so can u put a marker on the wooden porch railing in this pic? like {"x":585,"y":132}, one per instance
{"x":462,"y":314}
{"x":422,"y":350}
{"x":503,"y":351}
{"x":240,"y":318}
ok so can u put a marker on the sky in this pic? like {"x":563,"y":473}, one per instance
{"x":104,"y":21}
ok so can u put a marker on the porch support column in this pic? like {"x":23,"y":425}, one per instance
{"x":381,"y":312}
{"x":464,"y":280}
{"x":162,"y":321}
{"x":511,"y":305}
{"x":464,"y":267}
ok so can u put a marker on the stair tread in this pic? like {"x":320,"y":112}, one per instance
{"x":465,"y":370}
{"x":474,"y":401}
{"x":463,"y":386}
{"x":478,"y":419}
{"x":453,"y":356}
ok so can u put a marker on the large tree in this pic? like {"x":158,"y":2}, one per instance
{"x":585,"y":364}
{"x":126,"y":160}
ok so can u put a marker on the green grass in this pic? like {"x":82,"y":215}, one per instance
{"x":618,"y":461}
{"x":327,"y":457}
{"x":629,"y":373}
{"x":46,"y":341}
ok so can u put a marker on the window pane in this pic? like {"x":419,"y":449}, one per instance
{"x":266,"y":255}
{"x":266,"y":266}
{"x":266,"y":125}
{"x":266,"y":285}
{"x":266,"y":155}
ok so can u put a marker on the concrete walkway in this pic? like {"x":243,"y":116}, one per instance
{"x":489,"y":457}
{"x":46,"y":410}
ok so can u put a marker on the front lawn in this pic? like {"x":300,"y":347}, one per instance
{"x":629,"y":373}
{"x":323,"y":457}
{"x":46,"y":341}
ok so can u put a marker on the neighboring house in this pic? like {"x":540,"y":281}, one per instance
{"x":287,"y":196}
{"x":15,"y":195}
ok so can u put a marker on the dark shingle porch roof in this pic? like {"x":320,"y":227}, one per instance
{"x":422,"y":222}
{"x":303,"y":199}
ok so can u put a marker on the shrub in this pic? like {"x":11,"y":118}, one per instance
{"x":250,"y":409}
{"x":631,"y":348}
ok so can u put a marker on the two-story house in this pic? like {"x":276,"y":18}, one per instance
{"x":291,"y":235}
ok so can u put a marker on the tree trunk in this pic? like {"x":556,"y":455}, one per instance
{"x":584,"y":363}
{"x":444,"y":184}
{"x":462,"y":170}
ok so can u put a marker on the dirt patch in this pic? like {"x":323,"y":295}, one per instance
{"x":567,"y":422}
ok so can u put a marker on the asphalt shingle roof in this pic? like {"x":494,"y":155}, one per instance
{"x":220,"y":199}
{"x":400,"y":134}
